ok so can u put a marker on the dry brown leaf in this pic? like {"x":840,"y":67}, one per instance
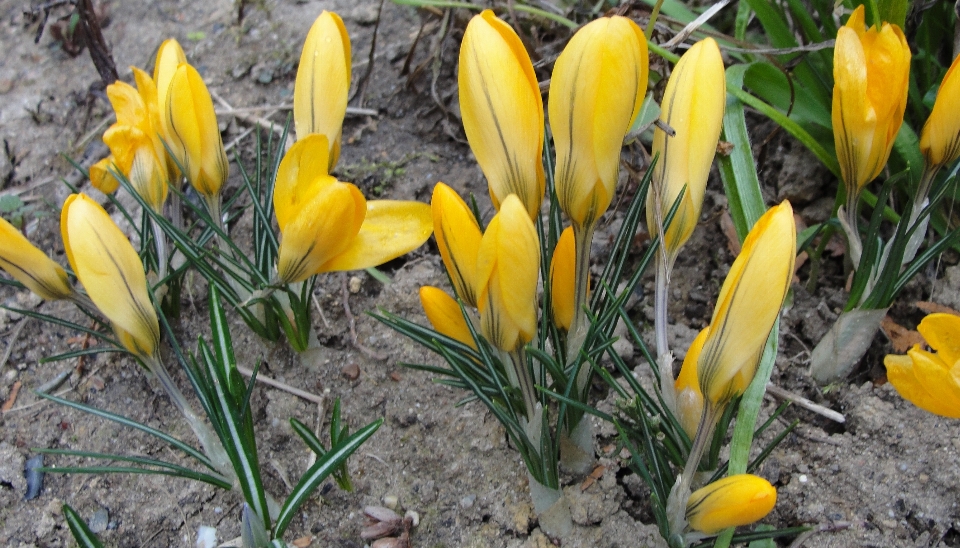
{"x":900,"y":337}
{"x":8,"y":405}
{"x":934,"y":308}
{"x":302,"y":542}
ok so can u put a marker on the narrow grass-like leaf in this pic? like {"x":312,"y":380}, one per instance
{"x":78,"y":527}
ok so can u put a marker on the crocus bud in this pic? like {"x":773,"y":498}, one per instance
{"x":445,"y":315}
{"x":30,"y":266}
{"x":689,"y":398}
{"x":195,"y":133}
{"x":596,"y":91}
{"x":329,"y":226}
{"x":458,"y":238}
{"x":693,"y":106}
{"x":748,"y":305}
{"x":508,"y":265}
{"x":940,"y":138}
{"x":111,"y":273}
{"x":323,"y":82}
{"x":871,"y":71}
{"x":563,"y":279}
{"x":169,"y":57}
{"x":502,"y":110}
{"x":730,"y":502}
{"x":101,"y":178}
{"x":931,"y":380}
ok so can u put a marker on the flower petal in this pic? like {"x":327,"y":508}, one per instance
{"x":30,"y":266}
{"x":445,"y":315}
{"x":390,"y":229}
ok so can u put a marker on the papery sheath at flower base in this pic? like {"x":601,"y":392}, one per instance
{"x":30,"y":266}
{"x":111,"y":273}
{"x":562,"y":279}
{"x":748,"y":305}
{"x":931,"y":380}
{"x":508,"y":265}
{"x":327,"y":225}
{"x":940,"y":138}
{"x":194,"y":131}
{"x":502,"y":111}
{"x":445,"y":315}
{"x":596,"y":91}
{"x":871,"y":70}
{"x":730,"y":502}
{"x":689,"y":398}
{"x":323,"y":82}
{"x":458,"y":239}
{"x":692,"y":105}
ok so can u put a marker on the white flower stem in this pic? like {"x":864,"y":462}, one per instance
{"x":680,"y":494}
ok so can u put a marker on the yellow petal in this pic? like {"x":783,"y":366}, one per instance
{"x":128,"y":105}
{"x":940,"y":138}
{"x":110,"y":271}
{"x":101,"y":178}
{"x":942,"y":333}
{"x":748,"y":304}
{"x":193,"y":123}
{"x":693,"y":106}
{"x":926,"y":381}
{"x":508,"y":265}
{"x":445,"y":315}
{"x":596,"y":90}
{"x":502,"y":110}
{"x":687,"y":386}
{"x":390,"y":229}
{"x":563,"y":268}
{"x":323,"y":82}
{"x":302,"y":171}
{"x":730,"y":502}
{"x":30,"y":266}
{"x":458,"y":238}
{"x":323,"y":227}
{"x":169,"y":57}
{"x":135,"y":156}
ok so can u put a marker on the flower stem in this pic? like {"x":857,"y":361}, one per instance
{"x":524,"y":378}
{"x":680,"y":494}
{"x":664,"y":269}
{"x":160,"y":240}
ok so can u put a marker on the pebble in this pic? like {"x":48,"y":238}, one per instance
{"x":99,"y":521}
{"x":391,"y":501}
{"x":354,"y":284}
{"x":467,"y":501}
{"x":351,"y":371}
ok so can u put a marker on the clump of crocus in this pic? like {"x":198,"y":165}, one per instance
{"x":502,"y":110}
{"x":730,"y":502}
{"x":871,"y":71}
{"x":931,"y":380}
{"x":693,"y":104}
{"x":323,"y":82}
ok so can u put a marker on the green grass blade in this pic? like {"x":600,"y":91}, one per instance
{"x":81,"y":533}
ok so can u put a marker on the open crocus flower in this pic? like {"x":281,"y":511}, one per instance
{"x":508,"y":265}
{"x":111,"y":273}
{"x":871,"y":70}
{"x":502,"y":110}
{"x":30,"y":266}
{"x":596,"y":91}
{"x":730,"y":502}
{"x":458,"y":238}
{"x":693,"y":106}
{"x":445,"y":315}
{"x":689,"y":398}
{"x":940,"y":138}
{"x":329,"y":226}
{"x":931,"y":380}
{"x":194,"y":133}
{"x":562,"y":278}
{"x":323,"y":82}
{"x":748,"y":305}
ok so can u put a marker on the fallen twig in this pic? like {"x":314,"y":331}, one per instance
{"x":282,"y":386}
{"x":778,"y":392}
{"x":7,"y":405}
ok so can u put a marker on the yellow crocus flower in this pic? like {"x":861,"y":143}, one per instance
{"x":940,"y":138}
{"x":111,"y":273}
{"x":502,"y":110}
{"x":445,"y":315}
{"x":194,"y":131}
{"x":596,"y":91}
{"x":693,"y":106}
{"x":30,"y":266}
{"x":329,"y":226}
{"x":748,"y":305}
{"x":563,"y":267}
{"x":730,"y":502}
{"x":458,"y":238}
{"x":689,"y":398}
{"x":508,"y":265}
{"x":323,"y":82}
{"x":136,"y":157}
{"x":169,"y":57}
{"x":871,"y":70}
{"x":931,"y":380}
{"x":101,"y":178}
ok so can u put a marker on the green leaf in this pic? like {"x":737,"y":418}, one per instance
{"x":892,"y":11}
{"x":738,"y":170}
{"x":81,"y":533}
{"x":10,"y":203}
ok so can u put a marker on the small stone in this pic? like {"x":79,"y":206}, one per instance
{"x":467,"y":501}
{"x":391,"y":501}
{"x":395,"y":377}
{"x":351,"y":371}
{"x":98,"y":522}
{"x":355,"y":283}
